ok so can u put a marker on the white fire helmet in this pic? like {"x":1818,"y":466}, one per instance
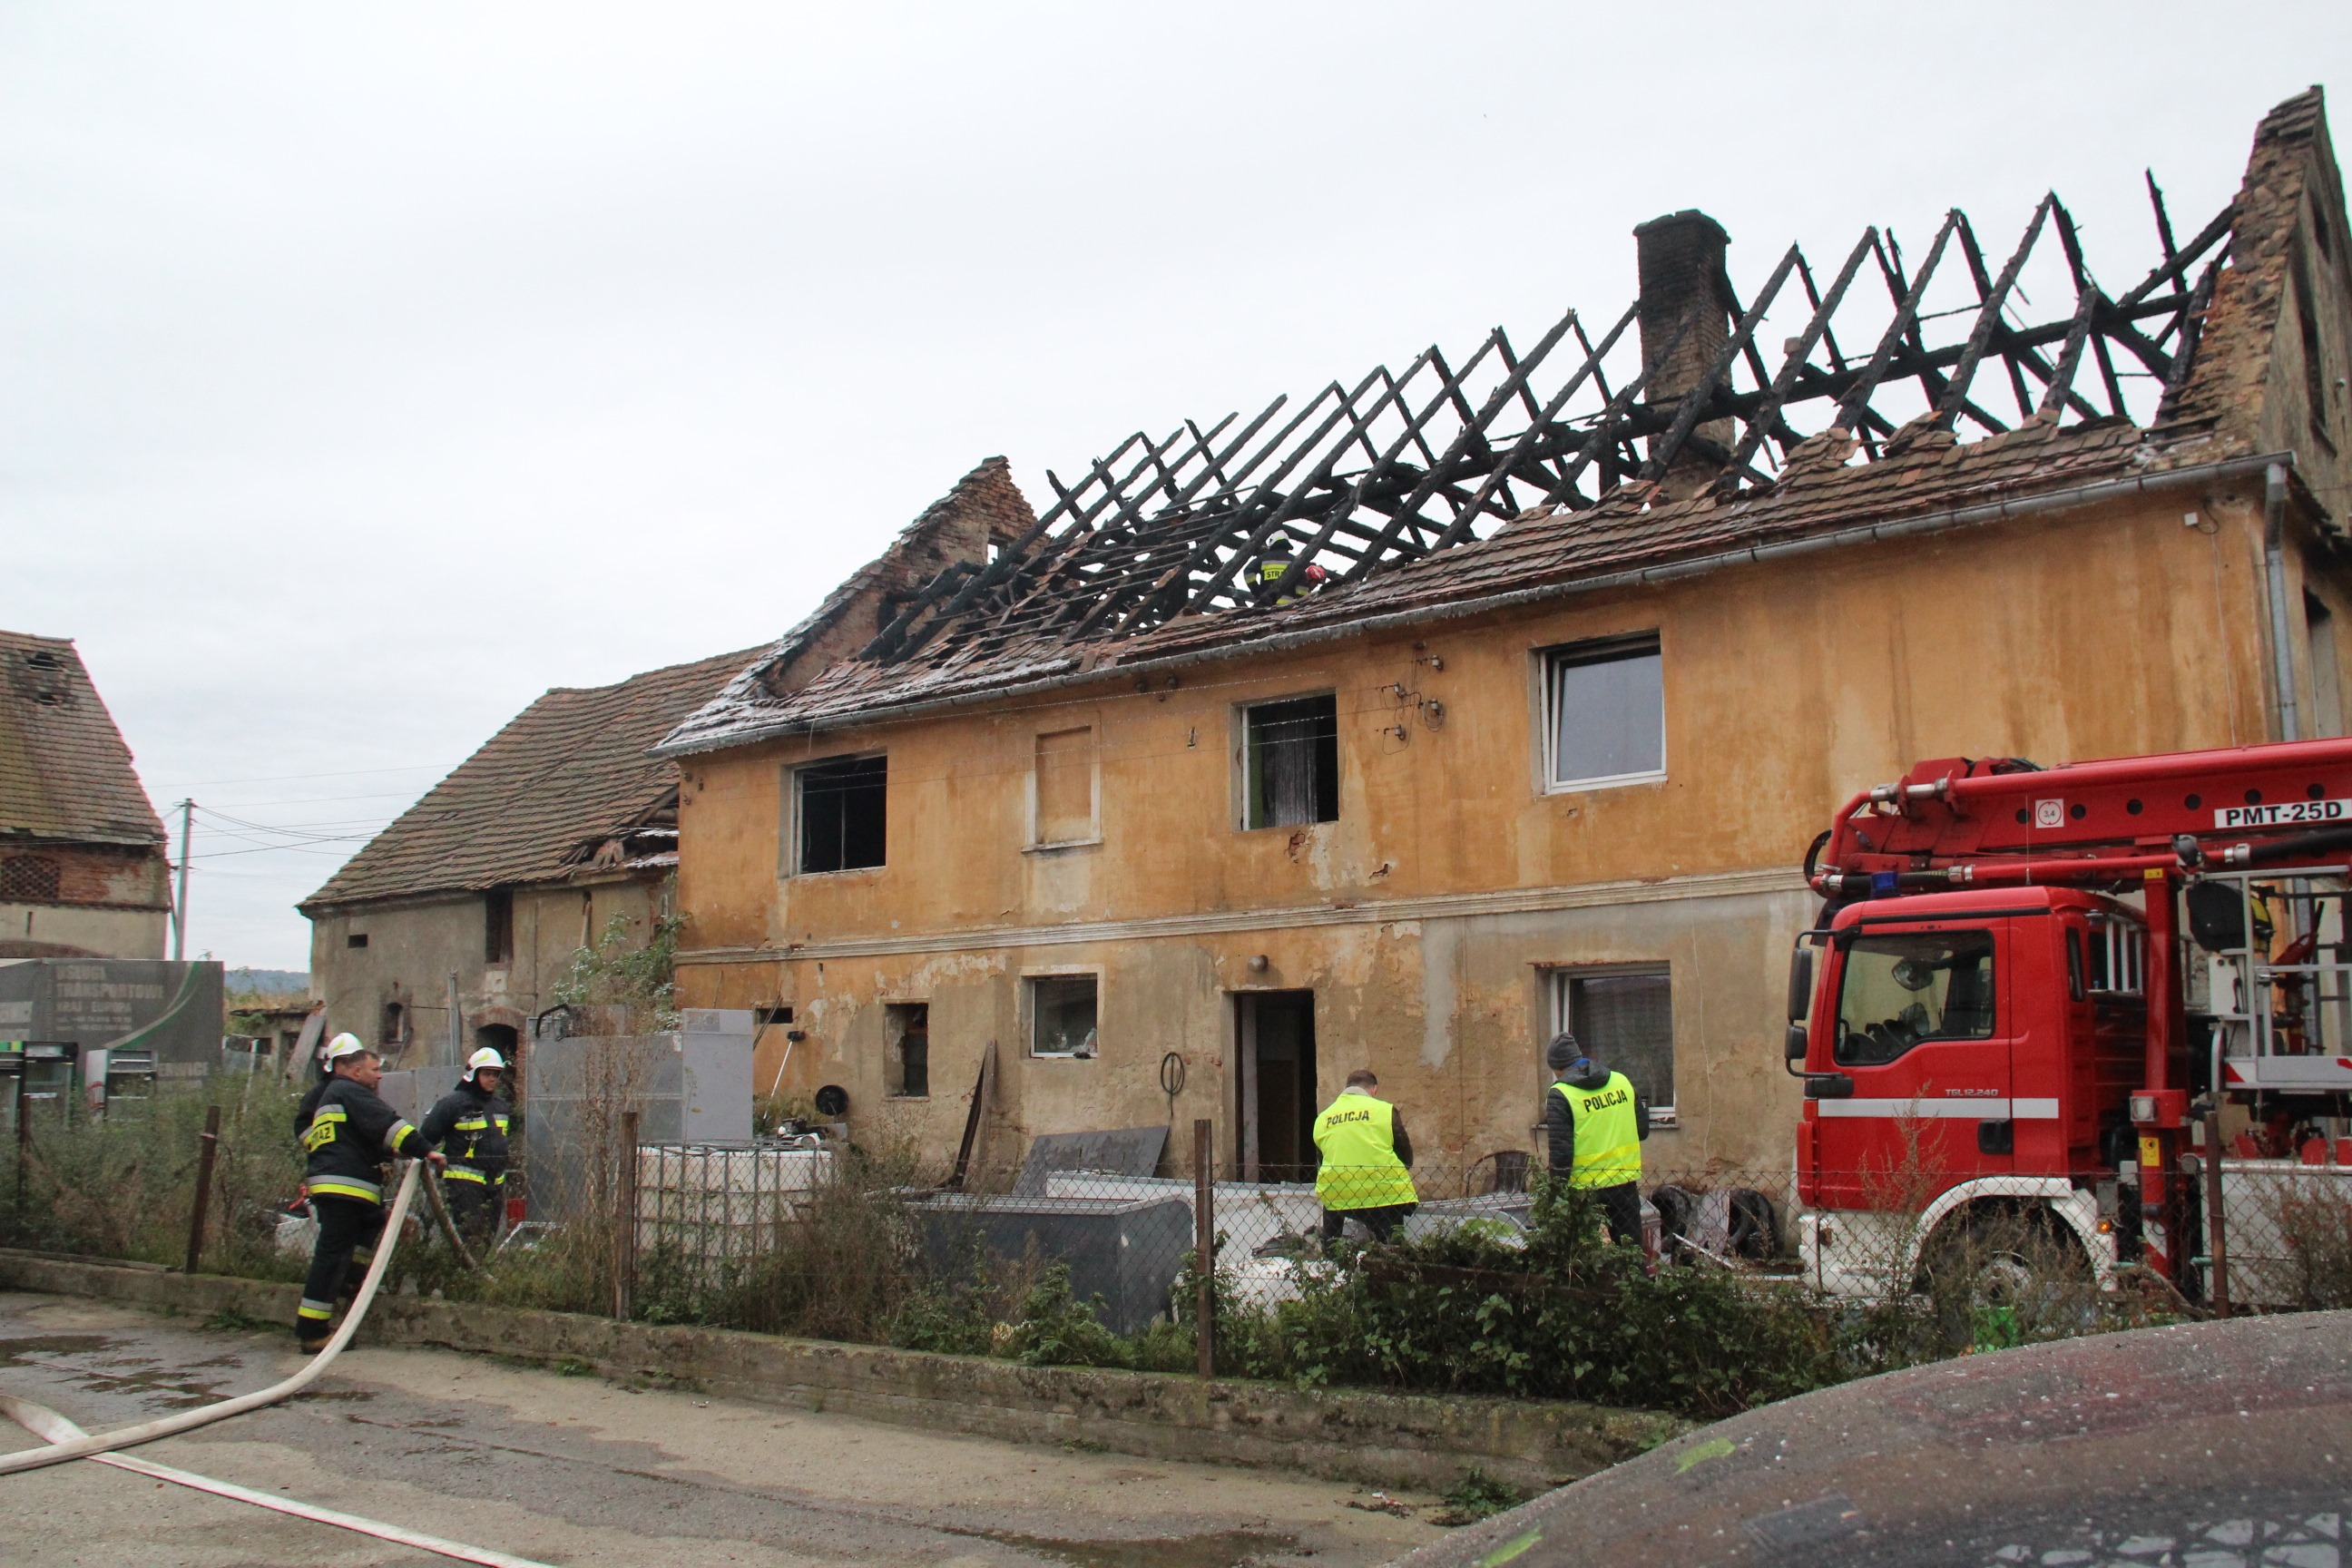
{"x":342,"y":1046}
{"x":485,"y":1060}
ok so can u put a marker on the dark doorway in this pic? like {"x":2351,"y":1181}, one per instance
{"x":1275,"y":1032}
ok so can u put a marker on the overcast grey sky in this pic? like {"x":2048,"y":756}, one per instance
{"x":370,"y":370}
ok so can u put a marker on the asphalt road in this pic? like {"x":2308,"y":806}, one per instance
{"x":576,"y":1470}
{"x":2211,"y":1446}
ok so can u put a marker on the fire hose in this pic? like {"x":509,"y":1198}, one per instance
{"x":44,"y":1422}
{"x":68,"y":1441}
{"x":448,"y":1228}
{"x":189,"y":1420}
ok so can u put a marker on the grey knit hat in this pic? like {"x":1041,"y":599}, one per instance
{"x":1563,"y":1051}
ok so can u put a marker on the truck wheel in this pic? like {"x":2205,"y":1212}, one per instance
{"x":1997,"y":1278}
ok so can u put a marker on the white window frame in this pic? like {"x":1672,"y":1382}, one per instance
{"x":1029,"y":980}
{"x":1556,"y":979}
{"x":1546,"y":661}
{"x":1239,"y":722}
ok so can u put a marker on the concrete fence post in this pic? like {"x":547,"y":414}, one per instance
{"x":208,"y":1146}
{"x":625,"y":1222}
{"x":1205,"y":1243}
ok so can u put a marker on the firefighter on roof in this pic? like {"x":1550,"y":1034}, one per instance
{"x":348,"y":1135}
{"x":1279,"y":575}
{"x":1595,"y":1122}
{"x":468,"y":1125}
{"x":1366,"y":1174}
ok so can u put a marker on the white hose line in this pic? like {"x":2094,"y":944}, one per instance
{"x":188,"y":1420}
{"x":44,"y":1422}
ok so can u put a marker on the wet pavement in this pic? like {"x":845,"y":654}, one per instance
{"x":2207,"y":1446}
{"x":578,"y":1471}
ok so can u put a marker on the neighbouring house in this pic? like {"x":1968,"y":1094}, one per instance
{"x":1503,"y":692}
{"x":88,"y":1002}
{"x":83,"y":872}
{"x":484,"y":891}
{"x":489,"y":888}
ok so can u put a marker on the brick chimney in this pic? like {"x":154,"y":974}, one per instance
{"x":1681,"y":263}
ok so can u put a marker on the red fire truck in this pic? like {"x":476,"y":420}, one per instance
{"x":2038,"y":990}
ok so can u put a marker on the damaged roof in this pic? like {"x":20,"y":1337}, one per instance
{"x":65,"y":773}
{"x":1696,"y":422}
{"x":565,"y":788}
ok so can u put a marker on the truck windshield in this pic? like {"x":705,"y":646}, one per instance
{"x":1899,"y":990}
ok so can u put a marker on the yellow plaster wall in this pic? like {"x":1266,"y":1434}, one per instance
{"x":1788,"y":687}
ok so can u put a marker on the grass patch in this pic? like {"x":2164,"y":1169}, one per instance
{"x":230,"y":1321}
{"x":1477,"y":1496}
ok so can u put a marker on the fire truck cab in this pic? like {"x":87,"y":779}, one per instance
{"x":2041,"y":991}
{"x":1961,"y":1048}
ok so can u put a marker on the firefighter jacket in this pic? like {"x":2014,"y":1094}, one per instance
{"x":1363,"y":1157}
{"x":350,"y":1136}
{"x":469,"y":1126}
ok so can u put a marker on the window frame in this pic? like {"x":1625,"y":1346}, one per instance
{"x":794,"y":843}
{"x":1558,"y":979}
{"x":1244,"y":797}
{"x":1037,"y":841}
{"x":1996,"y":1022}
{"x":1549,"y":659}
{"x":895,"y":1019}
{"x":1029,"y":982}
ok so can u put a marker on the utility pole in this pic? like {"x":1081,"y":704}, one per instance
{"x":180,"y":902}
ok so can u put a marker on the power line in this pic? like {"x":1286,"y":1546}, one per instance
{"x":347,"y":773}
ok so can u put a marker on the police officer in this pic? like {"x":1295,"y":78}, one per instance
{"x":1367,"y":1162}
{"x":1595,"y":1122}
{"x":350,"y":1134}
{"x":468,"y":1125}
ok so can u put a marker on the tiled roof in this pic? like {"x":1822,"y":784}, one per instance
{"x":544,"y":796}
{"x":64,"y":769}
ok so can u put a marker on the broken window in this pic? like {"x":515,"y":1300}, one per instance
{"x":906,"y":1066}
{"x":2314,"y":359}
{"x":1291,"y":764}
{"x":1605,"y":710}
{"x":30,"y":879}
{"x":2326,"y":675}
{"x":1065,"y":787}
{"x":497,"y":926}
{"x":395,"y":1026}
{"x":842,"y":811}
{"x":355,"y":939}
{"x":1062,"y":1016}
{"x":1623,"y":1017}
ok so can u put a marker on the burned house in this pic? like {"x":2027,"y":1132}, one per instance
{"x":1404,"y":723}
{"x":457,"y":925}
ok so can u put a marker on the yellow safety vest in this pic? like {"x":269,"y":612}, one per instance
{"x":1608,"y":1138}
{"x":1360,"y":1169}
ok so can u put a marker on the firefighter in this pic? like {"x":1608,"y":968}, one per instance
{"x":1366,"y":1172}
{"x":348,"y":1136}
{"x":1277,"y":572}
{"x":468,"y":1125}
{"x":1595,"y":1122}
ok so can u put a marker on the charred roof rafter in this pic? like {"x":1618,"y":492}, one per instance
{"x":1402,"y":464}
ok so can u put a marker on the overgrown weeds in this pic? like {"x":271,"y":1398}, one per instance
{"x":121,"y":1183}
